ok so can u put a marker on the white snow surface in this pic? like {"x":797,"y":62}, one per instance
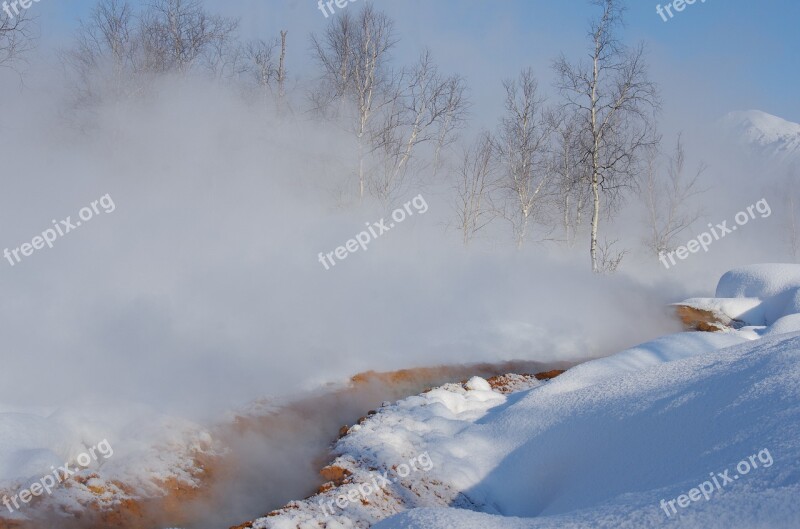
{"x":756,"y":295}
{"x":597,"y":447}
{"x":601,"y":445}
{"x":604,"y":455}
{"x":143,"y":450}
{"x":759,"y":281}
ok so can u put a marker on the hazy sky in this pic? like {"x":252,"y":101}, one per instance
{"x":711,"y":58}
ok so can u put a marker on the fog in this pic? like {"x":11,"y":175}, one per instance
{"x":193,"y":286}
{"x":202,"y":290}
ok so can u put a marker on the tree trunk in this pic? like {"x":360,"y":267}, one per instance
{"x":595,"y":221}
{"x":360,"y":168}
{"x":282,"y":67}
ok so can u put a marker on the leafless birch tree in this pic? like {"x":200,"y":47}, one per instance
{"x":454,"y":117}
{"x":571,"y":182}
{"x":356,"y":79}
{"x":260,"y":56}
{"x":425,"y":110}
{"x":15,"y":37}
{"x":177,"y":34}
{"x":615,"y":102}
{"x":282,"y":68}
{"x":522,"y":151}
{"x":476,"y":180}
{"x":668,"y":198}
{"x":104,"y":56}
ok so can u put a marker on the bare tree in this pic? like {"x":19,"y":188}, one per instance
{"x":15,"y":37}
{"x":668,"y":198}
{"x":423,"y":110}
{"x":615,"y":103}
{"x":571,"y":183}
{"x":522,"y":149}
{"x":103,"y":58}
{"x":333,"y":52}
{"x":608,"y":259}
{"x":356,"y":78}
{"x":476,"y":180}
{"x":177,"y":34}
{"x":282,"y":67}
{"x":454,"y":117}
{"x":226,"y":59}
{"x":259,"y":54}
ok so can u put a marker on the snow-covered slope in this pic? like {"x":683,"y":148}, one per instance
{"x":607,"y":454}
{"x":599,"y":447}
{"x":764,"y":134}
{"x":105,"y":456}
{"x":694,"y":430}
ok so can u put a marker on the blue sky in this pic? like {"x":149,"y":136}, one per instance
{"x":713,"y":57}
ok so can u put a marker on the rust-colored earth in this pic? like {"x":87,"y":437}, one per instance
{"x":316,"y":420}
{"x":695,"y":319}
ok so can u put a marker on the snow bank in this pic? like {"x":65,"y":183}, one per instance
{"x":756,"y":295}
{"x":603,"y":444}
{"x":385,"y":444}
{"x":604,"y":455}
{"x":758,"y":281}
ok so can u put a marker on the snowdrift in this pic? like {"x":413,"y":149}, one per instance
{"x":611,"y":442}
{"x":620,"y":442}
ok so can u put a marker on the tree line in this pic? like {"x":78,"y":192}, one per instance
{"x":554,"y":168}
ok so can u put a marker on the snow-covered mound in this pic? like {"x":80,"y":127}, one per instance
{"x":607,"y":454}
{"x":759,"y":281}
{"x":381,"y":466}
{"x":677,"y":432}
{"x":756,"y":296}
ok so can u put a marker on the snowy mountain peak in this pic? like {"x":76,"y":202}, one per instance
{"x":764,"y":133}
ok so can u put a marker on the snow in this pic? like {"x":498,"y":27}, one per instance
{"x":607,"y":440}
{"x":146,"y":448}
{"x":763,"y":127}
{"x":606,"y":454}
{"x":756,"y":295}
{"x":727,"y":309}
{"x":759,"y":281}
{"x":604,"y":443}
{"x":772,"y":135}
{"x":599,"y":446}
{"x":477,"y":383}
{"x":787,"y":324}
